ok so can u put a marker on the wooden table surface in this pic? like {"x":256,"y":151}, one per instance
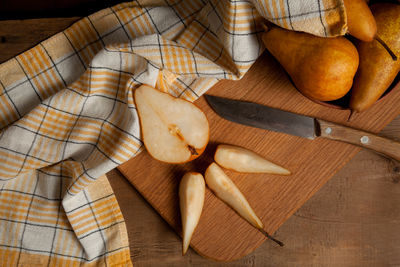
{"x":354,"y":220}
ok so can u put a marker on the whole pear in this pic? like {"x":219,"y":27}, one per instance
{"x":360,"y":22}
{"x":377,"y":68}
{"x":321,"y":68}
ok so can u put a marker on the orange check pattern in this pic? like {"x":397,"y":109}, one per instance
{"x":67,"y":114}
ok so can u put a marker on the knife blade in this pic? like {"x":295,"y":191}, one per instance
{"x":264,"y":117}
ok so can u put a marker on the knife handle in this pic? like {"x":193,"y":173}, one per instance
{"x":385,"y":146}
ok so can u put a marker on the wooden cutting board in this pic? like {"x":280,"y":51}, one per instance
{"x":221,"y":234}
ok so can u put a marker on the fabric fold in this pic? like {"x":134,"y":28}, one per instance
{"x":67,"y":113}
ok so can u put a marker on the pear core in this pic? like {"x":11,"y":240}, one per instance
{"x":174,"y":130}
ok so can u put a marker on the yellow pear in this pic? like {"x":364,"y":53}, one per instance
{"x":321,"y":68}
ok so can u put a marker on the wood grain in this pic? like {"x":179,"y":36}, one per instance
{"x":221,"y":234}
{"x":17,"y":9}
{"x":17,"y":36}
{"x":352,"y":221}
{"x":388,"y":147}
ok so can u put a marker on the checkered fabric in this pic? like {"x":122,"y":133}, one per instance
{"x":67,"y":115}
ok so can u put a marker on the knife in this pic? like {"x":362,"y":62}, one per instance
{"x":260,"y":116}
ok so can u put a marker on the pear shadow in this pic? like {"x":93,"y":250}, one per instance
{"x":273,"y":66}
{"x":199,"y":165}
{"x":344,"y":102}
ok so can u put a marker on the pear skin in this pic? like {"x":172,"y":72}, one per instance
{"x":321,"y":68}
{"x":377,"y":68}
{"x":360,"y":22}
{"x":191,"y":201}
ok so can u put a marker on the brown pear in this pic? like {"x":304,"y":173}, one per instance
{"x":360,"y":22}
{"x":321,"y":68}
{"x":377,"y":68}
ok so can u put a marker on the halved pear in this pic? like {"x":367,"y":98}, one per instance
{"x":174,"y":130}
{"x":191,"y":200}
{"x":243,"y":160}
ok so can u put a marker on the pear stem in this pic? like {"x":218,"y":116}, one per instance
{"x":351,"y":115}
{"x":394,"y":57}
{"x":270,"y":237}
{"x":266,"y":28}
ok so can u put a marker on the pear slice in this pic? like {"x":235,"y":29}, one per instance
{"x":226,"y":190}
{"x":243,"y":160}
{"x":174,"y":130}
{"x":191,"y":199}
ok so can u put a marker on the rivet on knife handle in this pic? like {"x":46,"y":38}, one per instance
{"x":387,"y":147}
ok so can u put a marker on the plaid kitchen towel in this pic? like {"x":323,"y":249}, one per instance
{"x":67,"y":114}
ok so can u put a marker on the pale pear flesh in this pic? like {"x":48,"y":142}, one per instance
{"x":243,"y":160}
{"x":191,"y":201}
{"x":226,"y":190}
{"x":174,"y":130}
